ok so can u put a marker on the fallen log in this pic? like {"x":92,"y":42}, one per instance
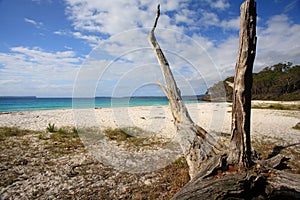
{"x":262,"y":181}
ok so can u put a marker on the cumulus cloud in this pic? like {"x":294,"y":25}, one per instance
{"x":111,"y":18}
{"x":92,"y":39}
{"x":32,"y":71}
{"x":277,"y":42}
{"x":123,"y":62}
{"x":219,"y":4}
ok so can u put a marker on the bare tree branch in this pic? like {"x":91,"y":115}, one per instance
{"x":196,"y":143}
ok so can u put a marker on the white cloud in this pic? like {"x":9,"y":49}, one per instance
{"x":110,"y":17}
{"x":212,"y":19}
{"x":93,"y":40}
{"x":130,"y":50}
{"x":291,"y":6}
{"x":233,"y":24}
{"x":211,"y":62}
{"x":184,"y":16}
{"x":33,"y":22}
{"x":115,"y":16}
{"x":89,"y":18}
{"x":124,"y":62}
{"x":218,"y":4}
{"x":33,"y":71}
{"x":60,"y":32}
{"x":278,"y":42}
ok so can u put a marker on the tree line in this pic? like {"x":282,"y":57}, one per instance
{"x":277,"y":82}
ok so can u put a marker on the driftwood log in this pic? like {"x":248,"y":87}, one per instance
{"x":197,"y":144}
{"x":262,"y":181}
{"x":216,"y":173}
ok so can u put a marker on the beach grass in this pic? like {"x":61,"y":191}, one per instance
{"x":117,"y":134}
{"x":51,"y":128}
{"x":133,"y":137}
{"x":6,"y":132}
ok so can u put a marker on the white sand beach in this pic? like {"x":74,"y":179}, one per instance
{"x":33,"y":164}
{"x":214,"y":117}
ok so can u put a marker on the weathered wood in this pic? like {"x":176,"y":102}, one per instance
{"x":240,"y":144}
{"x":267,"y":184}
{"x":179,"y":111}
{"x":196,"y":143}
{"x":274,"y":162}
{"x":212,"y":176}
{"x":281,"y":185}
{"x":229,"y":186}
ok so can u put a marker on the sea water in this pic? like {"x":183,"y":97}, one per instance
{"x":11,"y":104}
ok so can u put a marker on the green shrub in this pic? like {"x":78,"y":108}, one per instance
{"x":74,"y":130}
{"x":13,"y":131}
{"x":117,"y":134}
{"x":61,"y":131}
{"x":179,"y":162}
{"x":133,"y":137}
{"x":42,"y":136}
{"x":51,"y":128}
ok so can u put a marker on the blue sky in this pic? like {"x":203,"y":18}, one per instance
{"x":87,"y":47}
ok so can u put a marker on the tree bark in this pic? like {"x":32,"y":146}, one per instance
{"x":240,"y":144}
{"x":270,"y":184}
{"x":212,"y":177}
{"x":197,"y":144}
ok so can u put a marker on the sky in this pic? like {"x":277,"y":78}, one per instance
{"x":65,"y":48}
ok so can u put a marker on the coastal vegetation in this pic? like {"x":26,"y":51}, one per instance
{"x":58,"y":166}
{"x":51,"y":128}
{"x":6,"y":132}
{"x":280,"y":82}
{"x":133,"y":138}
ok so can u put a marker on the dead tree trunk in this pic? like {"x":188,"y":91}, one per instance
{"x":240,"y":144}
{"x":196,"y":143}
{"x":213,"y":178}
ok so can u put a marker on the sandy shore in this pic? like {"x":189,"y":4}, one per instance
{"x":215,"y":117}
{"x":58,"y":166}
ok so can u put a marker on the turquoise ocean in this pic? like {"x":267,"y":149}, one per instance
{"x":12,"y":104}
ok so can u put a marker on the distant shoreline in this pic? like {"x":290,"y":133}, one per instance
{"x":66,"y":103}
{"x":15,"y":104}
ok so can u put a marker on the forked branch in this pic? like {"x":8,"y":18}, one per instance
{"x":196,"y":143}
